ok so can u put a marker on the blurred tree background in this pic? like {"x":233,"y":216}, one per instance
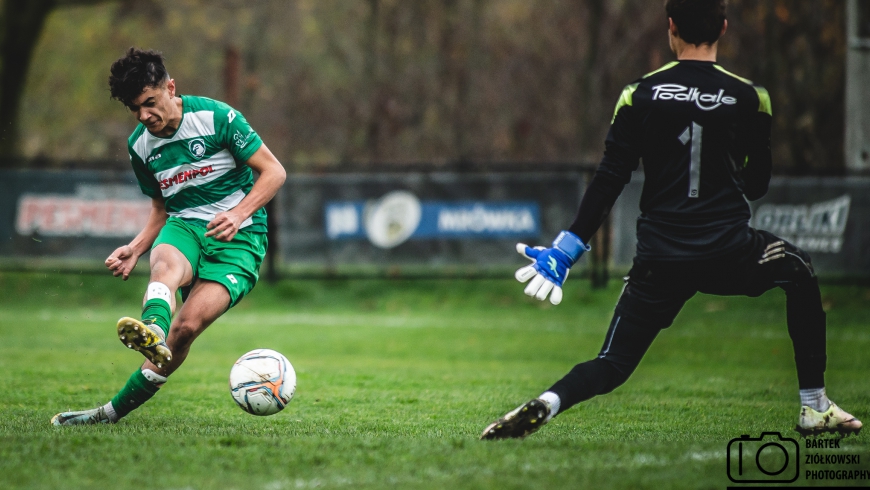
{"x":354,"y":83}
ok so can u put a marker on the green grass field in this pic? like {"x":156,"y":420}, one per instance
{"x":396,"y":379}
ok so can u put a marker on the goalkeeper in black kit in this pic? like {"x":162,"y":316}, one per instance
{"x":703,"y":135}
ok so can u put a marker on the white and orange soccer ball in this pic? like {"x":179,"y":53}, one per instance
{"x":262,"y":382}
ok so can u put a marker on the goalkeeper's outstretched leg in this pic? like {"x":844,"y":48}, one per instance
{"x":627,"y":340}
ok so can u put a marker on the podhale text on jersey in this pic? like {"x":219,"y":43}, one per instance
{"x":672,"y":91}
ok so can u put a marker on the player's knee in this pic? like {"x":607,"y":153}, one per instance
{"x":160,"y":265}
{"x":164,"y":259}
{"x":800,"y":266}
{"x":803,"y":280}
{"x":804,"y":266}
{"x":184,"y":331}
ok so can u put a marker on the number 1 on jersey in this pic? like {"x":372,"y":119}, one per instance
{"x":693,"y":134}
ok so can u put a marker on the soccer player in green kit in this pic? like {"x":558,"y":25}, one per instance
{"x":195,"y":158}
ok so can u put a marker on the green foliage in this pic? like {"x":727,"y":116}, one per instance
{"x":335,"y":82}
{"x":396,"y":381}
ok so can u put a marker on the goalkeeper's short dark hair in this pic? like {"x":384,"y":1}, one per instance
{"x":137,"y":70}
{"x":698,"y":21}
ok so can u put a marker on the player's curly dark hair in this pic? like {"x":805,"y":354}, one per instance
{"x":137,"y":70}
{"x":698,"y":21}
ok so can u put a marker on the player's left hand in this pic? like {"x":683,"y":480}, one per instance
{"x":224,"y":226}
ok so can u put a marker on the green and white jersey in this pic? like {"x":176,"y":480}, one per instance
{"x":200,"y":169}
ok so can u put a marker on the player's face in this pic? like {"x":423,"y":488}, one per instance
{"x":155,"y":107}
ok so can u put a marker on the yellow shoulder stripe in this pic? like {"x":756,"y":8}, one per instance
{"x":763,"y":100}
{"x":624,"y":99}
{"x":723,"y":70}
{"x":763,"y":96}
{"x":666,"y":67}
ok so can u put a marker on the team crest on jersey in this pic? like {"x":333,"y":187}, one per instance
{"x":197,"y":148}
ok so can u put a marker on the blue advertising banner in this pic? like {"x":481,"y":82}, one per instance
{"x":443,"y":221}
{"x":468,"y":220}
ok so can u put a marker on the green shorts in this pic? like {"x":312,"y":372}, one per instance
{"x":235,"y":264}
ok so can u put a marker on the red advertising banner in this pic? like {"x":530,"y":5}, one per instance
{"x":58,"y":215}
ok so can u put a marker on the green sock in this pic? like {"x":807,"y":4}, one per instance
{"x":157,"y":311}
{"x":137,"y":391}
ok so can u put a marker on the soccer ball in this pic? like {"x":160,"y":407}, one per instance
{"x":262,"y":382}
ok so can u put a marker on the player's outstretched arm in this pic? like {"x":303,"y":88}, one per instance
{"x":225,"y":225}
{"x":550,"y":266}
{"x":123,"y":260}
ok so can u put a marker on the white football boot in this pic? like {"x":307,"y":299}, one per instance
{"x":85,"y":417}
{"x":146,"y":338}
{"x":834,"y":419}
{"x":519,"y":422}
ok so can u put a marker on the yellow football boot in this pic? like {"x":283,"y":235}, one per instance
{"x":148,"y":339}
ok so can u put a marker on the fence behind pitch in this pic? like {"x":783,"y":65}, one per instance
{"x":427,"y":222}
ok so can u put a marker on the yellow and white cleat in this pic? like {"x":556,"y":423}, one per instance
{"x":832,"y":420}
{"x":146,"y":338}
{"x":519,"y":422}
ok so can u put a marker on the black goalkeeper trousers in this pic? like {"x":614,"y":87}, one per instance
{"x":656,"y":291}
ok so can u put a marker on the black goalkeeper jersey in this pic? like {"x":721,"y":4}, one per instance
{"x":703,"y":135}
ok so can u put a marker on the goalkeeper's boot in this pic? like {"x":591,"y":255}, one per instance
{"x":85,"y":417}
{"x":520,"y":422}
{"x":834,"y":419}
{"x":146,"y":338}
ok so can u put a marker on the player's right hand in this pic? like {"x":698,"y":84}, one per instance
{"x":122,"y":261}
{"x":550,"y":266}
{"x":549,"y":269}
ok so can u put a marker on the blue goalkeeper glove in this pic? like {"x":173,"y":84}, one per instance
{"x":550,"y":266}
